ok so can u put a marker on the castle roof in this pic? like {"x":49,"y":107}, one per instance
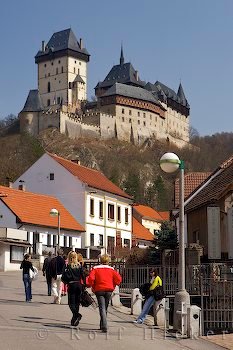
{"x":131,"y":91}
{"x":60,"y":42}
{"x":33,"y":102}
{"x":79,"y":79}
{"x":121,"y":73}
{"x":178,"y":97}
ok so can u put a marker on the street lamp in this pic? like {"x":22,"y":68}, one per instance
{"x":169,"y":163}
{"x":54,"y":212}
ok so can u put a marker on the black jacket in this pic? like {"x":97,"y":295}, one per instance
{"x":56,"y":266}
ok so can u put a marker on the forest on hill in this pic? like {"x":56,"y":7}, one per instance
{"x":135,"y":169}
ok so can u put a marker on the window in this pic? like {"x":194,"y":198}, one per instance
{"x":48,"y":102}
{"x":92,"y":207}
{"x":51,"y":63}
{"x":126,"y":215}
{"x":16,"y":253}
{"x":111,"y":245}
{"x":138,"y":114}
{"x":51,"y":176}
{"x":123,"y":119}
{"x":74,"y":69}
{"x":130,"y":112}
{"x":65,"y":241}
{"x":196,"y":236}
{"x":92,"y":240}
{"x":138,"y":122}
{"x":62,"y":70}
{"x":118,"y":213}
{"x":123,"y":111}
{"x":111,"y":211}
{"x":48,"y":74}
{"x":45,"y":65}
{"x":101,"y":240}
{"x":49,"y":86}
{"x":144,"y":123}
{"x":56,"y":70}
{"x":59,"y":61}
{"x":129,"y":120}
{"x":48,"y":239}
{"x":144,"y":115}
{"x":70,"y":241}
{"x":126,"y":243}
{"x":58,"y":100}
{"x":101,"y":209}
{"x":54,"y":240}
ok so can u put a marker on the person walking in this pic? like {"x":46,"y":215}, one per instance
{"x":150,"y":298}
{"x":56,"y":268}
{"x":74,"y":278}
{"x":103,"y":279}
{"x":26,"y":265}
{"x":63,"y":285}
{"x":46,"y":271}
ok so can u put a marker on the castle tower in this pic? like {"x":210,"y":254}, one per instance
{"x":62,"y":70}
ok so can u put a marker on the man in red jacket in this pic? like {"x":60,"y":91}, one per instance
{"x":103,"y":279}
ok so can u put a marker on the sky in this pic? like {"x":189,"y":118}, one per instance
{"x":173,"y":41}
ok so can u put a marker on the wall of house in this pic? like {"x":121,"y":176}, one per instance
{"x":197,"y":222}
{"x":151,"y":225}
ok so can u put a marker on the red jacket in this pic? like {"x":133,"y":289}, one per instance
{"x":103,"y":278}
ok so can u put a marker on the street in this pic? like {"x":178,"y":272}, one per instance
{"x":43,"y":325}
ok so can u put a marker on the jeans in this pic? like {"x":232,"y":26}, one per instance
{"x":28,"y":287}
{"x":146,"y":308}
{"x":74,"y":294}
{"x":49,"y":283}
{"x":103,"y":299}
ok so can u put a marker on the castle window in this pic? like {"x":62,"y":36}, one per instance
{"x":56,"y":70}
{"x":74,"y":69}
{"x":123,"y":111}
{"x":52,"y":63}
{"x":144,"y":123}
{"x":138,"y":122}
{"x":130,"y":112}
{"x":51,"y":176}
{"x":78,"y":70}
{"x":58,"y":100}
{"x":129,"y":120}
{"x":80,"y":63}
{"x":59,"y":61}
{"x":74,"y":61}
{"x":45,"y":65}
{"x":123,"y":119}
{"x":48,"y":102}
{"x":138,"y":114}
{"x":49,"y":86}
{"x":150,"y":117}
{"x":144,"y":115}
{"x":62,"y":69}
{"x":48,"y":74}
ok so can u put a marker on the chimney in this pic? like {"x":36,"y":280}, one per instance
{"x":81,"y":43}
{"x":136,"y":75}
{"x":43,"y":46}
{"x":22,"y":186}
{"x":10,"y":183}
{"x":77,"y":161}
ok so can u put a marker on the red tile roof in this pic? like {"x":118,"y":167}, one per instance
{"x":140,"y":232}
{"x":150,"y":213}
{"x":91,"y":177}
{"x":210,"y":194}
{"x":191,"y":182}
{"x":33,"y":208}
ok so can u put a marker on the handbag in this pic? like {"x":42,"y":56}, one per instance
{"x":33,"y":274}
{"x":144,"y":289}
{"x":87,"y":300}
{"x":158,"y":293}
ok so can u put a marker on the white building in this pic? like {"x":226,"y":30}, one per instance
{"x":26,"y":225}
{"x":99,"y":205}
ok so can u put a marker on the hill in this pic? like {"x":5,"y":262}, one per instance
{"x":134,"y":169}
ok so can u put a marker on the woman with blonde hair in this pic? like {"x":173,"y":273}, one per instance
{"x":74,"y":277}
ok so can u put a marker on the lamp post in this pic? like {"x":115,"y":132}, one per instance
{"x":169,"y":163}
{"x":54,"y":212}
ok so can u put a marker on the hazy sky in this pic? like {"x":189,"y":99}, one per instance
{"x":167,"y":40}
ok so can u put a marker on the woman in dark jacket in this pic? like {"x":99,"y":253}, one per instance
{"x":26,"y":265}
{"x":74,"y":277}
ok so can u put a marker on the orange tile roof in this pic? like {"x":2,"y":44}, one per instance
{"x":140,"y":232}
{"x":33,"y":208}
{"x":191,"y":182}
{"x":150,"y":213}
{"x":165,"y":215}
{"x":91,"y":177}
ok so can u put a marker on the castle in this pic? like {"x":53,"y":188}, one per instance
{"x":126,"y":107}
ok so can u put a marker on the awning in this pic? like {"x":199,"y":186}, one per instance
{"x":16,"y":242}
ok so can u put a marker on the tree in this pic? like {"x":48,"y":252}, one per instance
{"x":132,"y":186}
{"x":166,"y":237}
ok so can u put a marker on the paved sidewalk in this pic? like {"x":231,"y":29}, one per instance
{"x":41,"y":325}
